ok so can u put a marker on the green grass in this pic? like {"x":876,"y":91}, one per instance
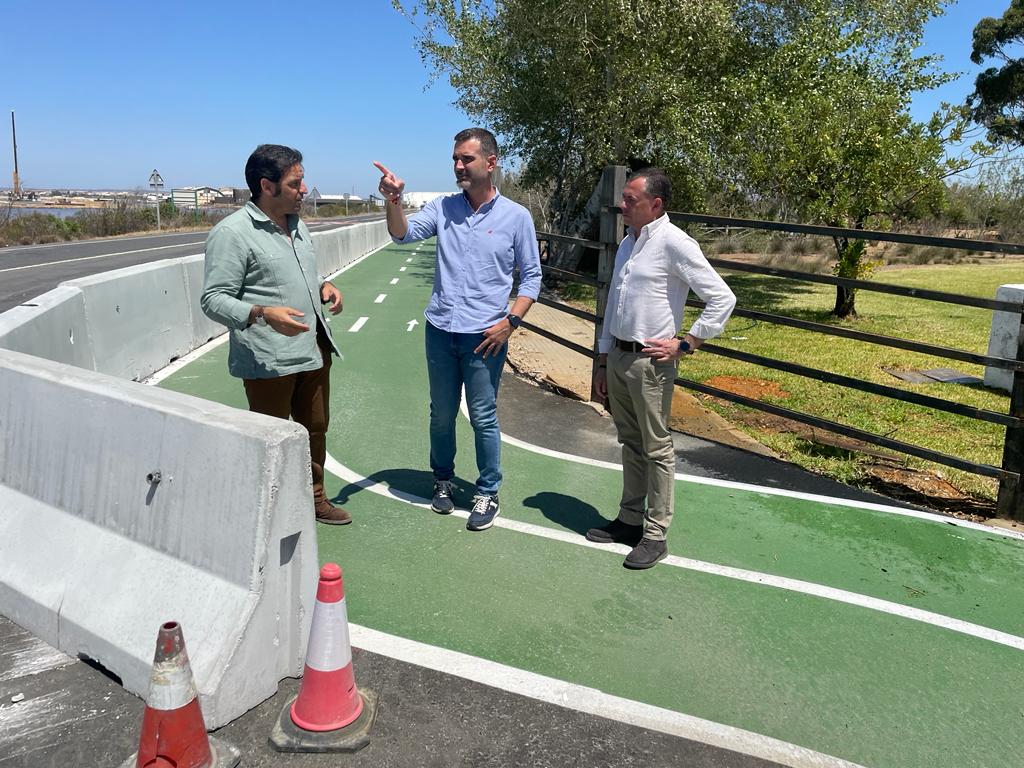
{"x":926,"y":321}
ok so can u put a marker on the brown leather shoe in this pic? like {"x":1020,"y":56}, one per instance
{"x":331,"y":515}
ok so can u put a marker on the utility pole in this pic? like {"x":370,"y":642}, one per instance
{"x":14,"y":140}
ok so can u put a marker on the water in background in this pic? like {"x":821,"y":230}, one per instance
{"x":60,"y":213}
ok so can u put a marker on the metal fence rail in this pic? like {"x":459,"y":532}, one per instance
{"x":1011,"y":494}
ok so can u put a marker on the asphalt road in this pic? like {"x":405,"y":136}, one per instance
{"x":29,"y":271}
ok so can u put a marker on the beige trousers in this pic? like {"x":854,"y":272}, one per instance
{"x":640,"y":398}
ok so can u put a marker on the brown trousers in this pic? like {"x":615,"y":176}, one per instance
{"x":306,"y":398}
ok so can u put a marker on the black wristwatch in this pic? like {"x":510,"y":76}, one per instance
{"x":514,"y":320}
{"x":684,"y":346}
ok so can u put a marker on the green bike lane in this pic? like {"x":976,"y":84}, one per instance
{"x":870,"y":686}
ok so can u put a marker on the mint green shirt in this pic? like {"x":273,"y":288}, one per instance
{"x":249,"y":260}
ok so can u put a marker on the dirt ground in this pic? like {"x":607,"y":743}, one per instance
{"x":569,"y":373}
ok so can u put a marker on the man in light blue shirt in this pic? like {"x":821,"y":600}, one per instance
{"x":482,"y":238}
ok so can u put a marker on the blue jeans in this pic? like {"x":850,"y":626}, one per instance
{"x":452,"y":364}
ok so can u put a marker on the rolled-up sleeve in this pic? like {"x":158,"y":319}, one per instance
{"x":422,"y":224}
{"x":224,"y":272}
{"x":710,"y":288}
{"x":527,"y":258}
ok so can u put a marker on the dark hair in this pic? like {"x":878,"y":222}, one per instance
{"x":656,"y":183}
{"x":487,"y":141}
{"x":269,"y":161}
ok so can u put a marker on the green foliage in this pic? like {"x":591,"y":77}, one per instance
{"x":993,"y":203}
{"x":574,"y":85}
{"x":998,"y":98}
{"x":125,"y":216}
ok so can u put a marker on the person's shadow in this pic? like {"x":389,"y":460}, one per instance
{"x":415,"y":483}
{"x":567,"y":511}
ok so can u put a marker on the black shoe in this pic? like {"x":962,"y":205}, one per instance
{"x":442,"y":502}
{"x":616,"y":532}
{"x":485,"y":509}
{"x":646,"y":554}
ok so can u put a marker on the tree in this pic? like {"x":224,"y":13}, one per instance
{"x":998,"y":98}
{"x":574,"y":85}
{"x":824,"y":125}
{"x":800,"y":101}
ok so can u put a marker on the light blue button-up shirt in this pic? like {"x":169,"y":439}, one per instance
{"x":477,"y":252}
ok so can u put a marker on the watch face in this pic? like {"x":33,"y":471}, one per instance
{"x":514,"y":320}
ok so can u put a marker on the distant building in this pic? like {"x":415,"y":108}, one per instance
{"x":187,"y":197}
{"x":419,"y":199}
{"x":232,"y":196}
{"x":336,"y":199}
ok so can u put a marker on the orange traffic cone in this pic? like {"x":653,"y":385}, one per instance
{"x":173,"y":732}
{"x":329,"y":714}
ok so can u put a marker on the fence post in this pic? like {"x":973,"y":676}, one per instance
{"x":1011,"y":493}
{"x":613,"y":179}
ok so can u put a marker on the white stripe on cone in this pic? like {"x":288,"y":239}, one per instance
{"x":171,"y":685}
{"x":329,"y":647}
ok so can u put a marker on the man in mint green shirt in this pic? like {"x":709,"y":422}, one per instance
{"x":261,"y":282}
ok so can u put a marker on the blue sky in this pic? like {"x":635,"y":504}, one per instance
{"x":106,"y":91}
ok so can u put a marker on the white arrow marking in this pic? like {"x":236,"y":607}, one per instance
{"x":395,"y":281}
{"x":410,"y":325}
{"x":380,"y":298}
{"x":358,"y":324}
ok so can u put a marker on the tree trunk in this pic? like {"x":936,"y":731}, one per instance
{"x":845,"y":297}
{"x":566,"y":256}
{"x":845,"y":302}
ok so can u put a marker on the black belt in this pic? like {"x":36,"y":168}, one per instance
{"x":635,"y":347}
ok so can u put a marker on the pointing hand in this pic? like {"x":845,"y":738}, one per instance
{"x":390,"y":186}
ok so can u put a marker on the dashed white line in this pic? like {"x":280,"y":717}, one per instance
{"x":394,"y":281}
{"x":401,"y":269}
{"x":358,"y":324}
{"x":380,"y":298}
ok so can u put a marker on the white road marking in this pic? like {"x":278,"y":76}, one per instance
{"x":590,"y":700}
{"x":401,"y":269}
{"x":181,"y":362}
{"x":358,"y":324}
{"x":408,"y":261}
{"x":410,"y":325}
{"x":394,"y":281}
{"x":333,"y":466}
{"x":100,"y":256}
{"x":380,"y":298}
{"x":832,"y":500}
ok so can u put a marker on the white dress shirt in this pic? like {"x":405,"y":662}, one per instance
{"x":653,"y":275}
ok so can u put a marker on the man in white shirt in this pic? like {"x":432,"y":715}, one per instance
{"x":656,"y":267}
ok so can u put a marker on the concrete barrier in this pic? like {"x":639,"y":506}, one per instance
{"x":1002,"y":340}
{"x":95,"y":554}
{"x":132,"y":322}
{"x":53,"y":326}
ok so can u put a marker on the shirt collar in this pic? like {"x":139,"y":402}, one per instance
{"x":486,"y":206}
{"x":257,"y":215}
{"x":650,"y":228}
